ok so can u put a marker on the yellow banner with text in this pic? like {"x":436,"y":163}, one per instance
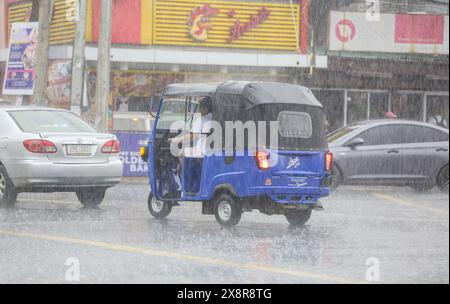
{"x":233,"y":24}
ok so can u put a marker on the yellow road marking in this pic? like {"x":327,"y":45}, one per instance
{"x":183,"y":257}
{"x":402,"y":202}
{"x":46,"y":201}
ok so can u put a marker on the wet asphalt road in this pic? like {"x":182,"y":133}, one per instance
{"x":395,"y":233}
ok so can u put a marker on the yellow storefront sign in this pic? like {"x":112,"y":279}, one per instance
{"x":233,"y":24}
{"x":211,"y":23}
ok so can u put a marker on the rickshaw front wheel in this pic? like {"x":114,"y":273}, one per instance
{"x":158,"y":209}
{"x":227,"y":211}
{"x":298,"y":218}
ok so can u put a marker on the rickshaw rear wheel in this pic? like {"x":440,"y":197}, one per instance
{"x":227,"y":211}
{"x":298,"y":218}
{"x":159,"y":209}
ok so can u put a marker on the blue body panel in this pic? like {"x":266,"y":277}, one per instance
{"x":300,"y":185}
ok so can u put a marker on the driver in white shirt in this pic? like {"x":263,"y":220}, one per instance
{"x":200,"y":129}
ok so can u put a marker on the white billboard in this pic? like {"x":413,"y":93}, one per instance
{"x":392,"y":33}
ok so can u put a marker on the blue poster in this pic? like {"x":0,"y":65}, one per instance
{"x":130,"y":144}
{"x":21,"y":67}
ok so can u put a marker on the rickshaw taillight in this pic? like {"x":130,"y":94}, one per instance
{"x":328,"y":161}
{"x":262,"y":159}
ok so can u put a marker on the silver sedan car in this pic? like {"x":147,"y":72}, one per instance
{"x":391,"y":152}
{"x":52,"y":150}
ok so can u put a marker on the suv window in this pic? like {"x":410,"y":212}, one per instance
{"x":419,"y":134}
{"x":382,"y":135}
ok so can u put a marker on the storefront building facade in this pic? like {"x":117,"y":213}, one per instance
{"x":326,"y":45}
{"x":158,"y":42}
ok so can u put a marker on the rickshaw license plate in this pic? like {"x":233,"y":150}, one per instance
{"x":79,"y":150}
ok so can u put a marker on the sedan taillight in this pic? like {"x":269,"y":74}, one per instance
{"x":111,"y":147}
{"x":40,"y":146}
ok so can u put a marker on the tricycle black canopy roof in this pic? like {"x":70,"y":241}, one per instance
{"x":255,"y":93}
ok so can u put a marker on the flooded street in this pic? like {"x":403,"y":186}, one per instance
{"x":405,"y":234}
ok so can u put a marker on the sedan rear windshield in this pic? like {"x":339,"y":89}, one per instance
{"x":50,"y":122}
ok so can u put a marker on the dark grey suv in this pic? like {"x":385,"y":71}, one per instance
{"x":391,"y":152}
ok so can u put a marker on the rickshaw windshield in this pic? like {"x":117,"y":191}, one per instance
{"x":180,"y":110}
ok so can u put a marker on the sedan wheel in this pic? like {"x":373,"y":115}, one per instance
{"x":8,"y":196}
{"x":336,"y":178}
{"x":91,"y":198}
{"x":2,"y":186}
{"x":442,"y":180}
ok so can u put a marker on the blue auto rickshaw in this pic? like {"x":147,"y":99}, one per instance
{"x":284,"y":172}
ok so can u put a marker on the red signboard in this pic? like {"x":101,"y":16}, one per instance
{"x":419,"y":29}
{"x":126,"y":21}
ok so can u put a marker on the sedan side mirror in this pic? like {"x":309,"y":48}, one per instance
{"x":355,"y":142}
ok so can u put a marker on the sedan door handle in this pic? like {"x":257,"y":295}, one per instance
{"x":442,"y":150}
{"x":393,"y":151}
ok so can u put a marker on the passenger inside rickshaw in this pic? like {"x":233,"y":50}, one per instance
{"x":181,"y":173}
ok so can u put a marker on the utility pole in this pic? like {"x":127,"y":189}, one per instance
{"x":78,"y":61}
{"x":103,"y":65}
{"x":45,"y":16}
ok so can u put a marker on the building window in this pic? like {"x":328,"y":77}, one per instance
{"x":408,"y":106}
{"x":379,"y":105}
{"x":356,"y":106}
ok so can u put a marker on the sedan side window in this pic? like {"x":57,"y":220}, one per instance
{"x":419,"y":134}
{"x":382,"y":135}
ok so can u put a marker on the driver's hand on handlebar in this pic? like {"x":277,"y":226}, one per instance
{"x":175,"y":140}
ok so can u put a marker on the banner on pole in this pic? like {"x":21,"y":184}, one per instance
{"x":21,"y":66}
